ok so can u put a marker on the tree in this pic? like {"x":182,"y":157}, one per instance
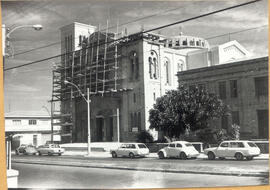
{"x":235,"y":132}
{"x":184,"y":110}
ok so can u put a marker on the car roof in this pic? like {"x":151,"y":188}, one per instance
{"x":130,"y":143}
{"x":237,"y":141}
{"x":179,"y":142}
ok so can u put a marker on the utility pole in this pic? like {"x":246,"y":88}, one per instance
{"x":118,"y":126}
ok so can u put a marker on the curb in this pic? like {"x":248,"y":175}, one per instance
{"x":256,"y":174}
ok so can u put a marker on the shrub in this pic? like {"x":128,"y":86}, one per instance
{"x":145,"y":137}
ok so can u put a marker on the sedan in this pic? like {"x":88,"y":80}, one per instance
{"x":50,"y":149}
{"x":130,"y":150}
{"x":178,"y":149}
{"x":26,"y":149}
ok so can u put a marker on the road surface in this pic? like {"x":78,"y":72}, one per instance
{"x":49,"y":176}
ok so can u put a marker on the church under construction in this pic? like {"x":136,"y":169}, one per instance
{"x":124,"y":74}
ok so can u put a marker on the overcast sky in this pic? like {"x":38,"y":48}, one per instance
{"x":27,"y":89}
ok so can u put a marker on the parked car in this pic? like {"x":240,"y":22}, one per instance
{"x":235,"y":148}
{"x":130,"y":150}
{"x":26,"y":149}
{"x":178,"y":149}
{"x":50,"y":149}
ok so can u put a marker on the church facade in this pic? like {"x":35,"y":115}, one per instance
{"x":125,"y":76}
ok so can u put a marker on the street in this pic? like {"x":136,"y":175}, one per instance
{"x":93,"y":172}
{"x":44,"y":176}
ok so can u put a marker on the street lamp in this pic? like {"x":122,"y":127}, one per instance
{"x":50,"y":114}
{"x":88,"y":101}
{"x":8,"y":32}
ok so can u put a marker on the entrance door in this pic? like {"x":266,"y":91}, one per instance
{"x":100,"y":129}
{"x":263,"y":123}
{"x":110,"y":130}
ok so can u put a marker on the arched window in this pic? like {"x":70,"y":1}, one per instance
{"x":153,"y":65}
{"x":167,"y":69}
{"x":181,"y":65}
{"x":134,"y":65}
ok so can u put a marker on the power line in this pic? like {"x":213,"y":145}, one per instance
{"x":146,"y":31}
{"x":114,"y":26}
{"x":236,"y":32}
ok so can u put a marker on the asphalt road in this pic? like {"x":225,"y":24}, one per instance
{"x":231,"y":162}
{"x":47,"y":176}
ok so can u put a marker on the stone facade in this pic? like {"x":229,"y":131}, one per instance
{"x":242,"y":85}
{"x":147,"y":68}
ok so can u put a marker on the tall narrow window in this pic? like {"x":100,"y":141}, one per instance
{"x":134,"y":97}
{"x":233,"y":88}
{"x":235,"y":117}
{"x":224,"y":122}
{"x":139,"y":121}
{"x":135,"y":120}
{"x":153,"y":65}
{"x":131,"y":121}
{"x":222,"y":89}
{"x":137,"y":73}
{"x":261,"y":86}
{"x":167,"y":71}
{"x":134,"y":65}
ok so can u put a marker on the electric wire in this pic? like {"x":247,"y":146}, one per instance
{"x":146,"y":31}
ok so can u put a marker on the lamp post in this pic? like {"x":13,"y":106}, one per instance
{"x":6,"y":40}
{"x":50,"y":114}
{"x":88,"y":101}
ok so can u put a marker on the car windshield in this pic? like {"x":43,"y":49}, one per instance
{"x":55,"y":146}
{"x":141,"y":146}
{"x":188,"y":144}
{"x":251,"y":144}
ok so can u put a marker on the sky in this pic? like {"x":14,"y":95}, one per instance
{"x":28,"y":89}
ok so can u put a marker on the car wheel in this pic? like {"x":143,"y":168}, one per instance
{"x":49,"y":153}
{"x":249,"y":157}
{"x":17,"y":152}
{"x":131,"y":155}
{"x":183,"y":156}
{"x":39,"y":153}
{"x":35,"y":153}
{"x":114,"y":155}
{"x":239,"y":156}
{"x":24,"y":152}
{"x":221,"y":158}
{"x":211,"y":156}
{"x":59,"y":154}
{"x":161,"y":155}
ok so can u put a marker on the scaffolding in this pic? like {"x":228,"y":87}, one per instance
{"x":94,"y":66}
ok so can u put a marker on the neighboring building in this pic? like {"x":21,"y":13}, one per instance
{"x":243,"y":85}
{"x":35,"y":130}
{"x":126,"y":74}
{"x":221,"y":54}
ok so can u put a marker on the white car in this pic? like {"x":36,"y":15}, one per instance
{"x":236,"y":149}
{"x":50,"y":149}
{"x":130,"y":150}
{"x":180,"y":149}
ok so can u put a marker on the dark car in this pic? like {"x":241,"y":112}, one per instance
{"x":26,"y":149}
